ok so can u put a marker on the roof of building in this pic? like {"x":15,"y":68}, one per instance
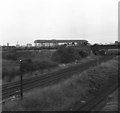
{"x":58,"y":41}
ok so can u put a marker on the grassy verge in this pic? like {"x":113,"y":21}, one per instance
{"x":10,"y":69}
{"x":10,"y":64}
{"x":36,"y":63}
{"x":62,"y":96}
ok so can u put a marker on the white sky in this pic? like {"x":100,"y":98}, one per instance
{"x":24,"y":21}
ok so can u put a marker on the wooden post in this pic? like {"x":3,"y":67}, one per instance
{"x":21,"y":80}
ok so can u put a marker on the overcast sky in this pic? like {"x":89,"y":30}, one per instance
{"x":24,"y":21}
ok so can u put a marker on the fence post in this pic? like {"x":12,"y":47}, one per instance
{"x":21,"y":80}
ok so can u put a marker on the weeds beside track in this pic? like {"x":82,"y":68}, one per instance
{"x":48,"y":79}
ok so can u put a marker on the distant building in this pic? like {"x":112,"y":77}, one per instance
{"x":8,"y":48}
{"x":17,"y":45}
{"x":117,"y":42}
{"x":52,"y":43}
{"x":29,"y":45}
{"x":7,"y":44}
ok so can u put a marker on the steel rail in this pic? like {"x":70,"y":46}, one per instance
{"x":34,"y":78}
{"x":41,"y":76}
{"x":92,"y":101}
{"x":91,"y":104}
{"x":46,"y":78}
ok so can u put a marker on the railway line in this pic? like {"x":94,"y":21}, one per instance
{"x":12,"y":89}
{"x":94,"y":101}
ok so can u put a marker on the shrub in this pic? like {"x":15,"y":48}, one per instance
{"x":63,"y":55}
{"x":10,"y":55}
{"x":27,"y":65}
{"x":69,"y":93}
{"x":83,"y":54}
{"x":41,"y":65}
{"x":9,"y":74}
{"x":12,"y":69}
{"x":67,"y":55}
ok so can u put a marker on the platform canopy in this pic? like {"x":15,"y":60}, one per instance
{"x":59,"y":41}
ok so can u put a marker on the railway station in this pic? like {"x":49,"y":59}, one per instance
{"x":60,"y":56}
{"x":53,"y":43}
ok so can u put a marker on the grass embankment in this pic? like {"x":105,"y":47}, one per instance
{"x":64,"y":95}
{"x":34,"y":63}
{"x":35,"y":54}
{"x":10,"y":69}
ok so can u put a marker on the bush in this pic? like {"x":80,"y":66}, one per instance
{"x":67,"y":55}
{"x":11,"y":55}
{"x":10,"y":69}
{"x":27,"y":65}
{"x":69,"y":93}
{"x":63,"y":55}
{"x":9,"y":74}
{"x":83,"y":54}
{"x":41,"y":65}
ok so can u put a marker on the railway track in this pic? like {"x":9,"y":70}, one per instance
{"x":93,"y":101}
{"x":11,"y":89}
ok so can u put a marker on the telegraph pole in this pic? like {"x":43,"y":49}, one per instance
{"x":98,"y":56}
{"x":21,"y":80}
{"x":98,"y":59}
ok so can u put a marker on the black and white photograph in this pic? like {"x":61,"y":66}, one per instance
{"x":59,"y":55}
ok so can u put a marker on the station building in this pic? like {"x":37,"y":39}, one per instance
{"x":53,"y":43}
